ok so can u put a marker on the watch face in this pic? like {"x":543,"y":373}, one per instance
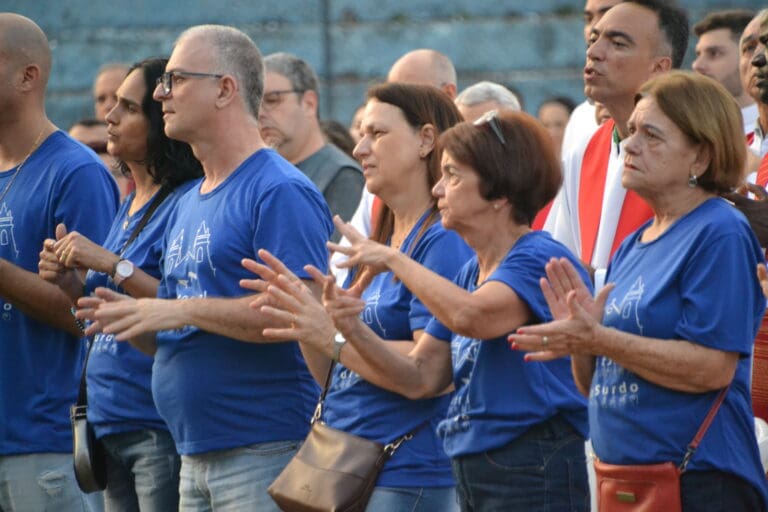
{"x":124,"y":269}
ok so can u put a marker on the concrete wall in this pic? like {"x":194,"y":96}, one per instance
{"x":535,"y":46}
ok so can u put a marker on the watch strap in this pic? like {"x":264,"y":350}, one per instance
{"x":338,"y":344}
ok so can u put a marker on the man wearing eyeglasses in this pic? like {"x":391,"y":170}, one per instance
{"x":289,"y":122}
{"x":237,"y":411}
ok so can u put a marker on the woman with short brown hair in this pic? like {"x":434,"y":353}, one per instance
{"x":654,"y":351}
{"x":514,"y":431}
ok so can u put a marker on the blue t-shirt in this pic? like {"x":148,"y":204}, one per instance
{"x":696,"y":282}
{"x":215,"y":392}
{"x":498,"y":395}
{"x":62,"y":181}
{"x":119,"y":376}
{"x":358,"y":407}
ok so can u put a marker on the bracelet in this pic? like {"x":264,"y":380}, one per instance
{"x":80,"y":324}
{"x":338,"y":343}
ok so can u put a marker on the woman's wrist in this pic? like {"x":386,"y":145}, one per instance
{"x":392,"y":257}
{"x":108,"y":264}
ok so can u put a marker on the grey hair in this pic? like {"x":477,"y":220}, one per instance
{"x":296,"y":70}
{"x":488,"y":91}
{"x":234,"y":54}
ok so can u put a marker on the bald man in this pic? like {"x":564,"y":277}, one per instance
{"x":46,"y":178}
{"x":425,"y":67}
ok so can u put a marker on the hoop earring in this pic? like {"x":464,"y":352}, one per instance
{"x":693,"y":181}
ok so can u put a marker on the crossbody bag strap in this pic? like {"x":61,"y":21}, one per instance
{"x":392,"y":447}
{"x":321,"y":400}
{"x":694,"y":444}
{"x":82,"y":393}
{"x":389,"y":448}
{"x":159,"y":198}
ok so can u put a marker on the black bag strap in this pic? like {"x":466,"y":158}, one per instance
{"x":694,"y":444}
{"x":158,"y":199}
{"x":82,"y":393}
{"x":389,"y":448}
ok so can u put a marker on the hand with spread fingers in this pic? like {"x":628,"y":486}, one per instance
{"x":575,"y":312}
{"x":362,"y":251}
{"x":88,"y":305}
{"x":289,"y":304}
{"x":343,"y":306}
{"x":129,"y":318}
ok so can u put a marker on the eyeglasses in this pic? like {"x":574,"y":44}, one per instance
{"x":492,"y":119}
{"x":272,"y":99}
{"x":166,"y":79}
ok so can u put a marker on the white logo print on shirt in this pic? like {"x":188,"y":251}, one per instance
{"x":629,"y":304}
{"x":198,"y":253}
{"x":7,"y":238}
{"x":624,"y":388}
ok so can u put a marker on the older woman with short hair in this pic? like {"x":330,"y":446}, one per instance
{"x":653,"y":351}
{"x":514,"y":431}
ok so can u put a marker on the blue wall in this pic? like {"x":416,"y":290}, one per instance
{"x":536,"y":46}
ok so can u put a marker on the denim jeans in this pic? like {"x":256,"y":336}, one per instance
{"x":541,"y":471}
{"x":39,"y":481}
{"x":142,"y":472}
{"x":233,"y":480}
{"x":413,"y":499}
{"x":94,"y":501}
{"x":716,"y":491}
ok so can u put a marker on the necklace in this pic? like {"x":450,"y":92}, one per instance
{"x":18,"y":169}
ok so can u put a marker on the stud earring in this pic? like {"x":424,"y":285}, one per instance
{"x":693,"y":181}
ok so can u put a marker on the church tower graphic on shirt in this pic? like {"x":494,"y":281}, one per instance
{"x":173,"y":254}
{"x":631,"y":300}
{"x":201,"y":247}
{"x":7,"y":240}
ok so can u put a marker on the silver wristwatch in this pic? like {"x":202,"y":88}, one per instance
{"x":338,"y":343}
{"x":123,"y":270}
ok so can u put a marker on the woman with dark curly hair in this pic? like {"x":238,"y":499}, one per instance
{"x":142,"y":464}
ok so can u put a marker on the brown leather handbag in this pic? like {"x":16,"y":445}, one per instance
{"x":333,"y":471}
{"x":647,"y":487}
